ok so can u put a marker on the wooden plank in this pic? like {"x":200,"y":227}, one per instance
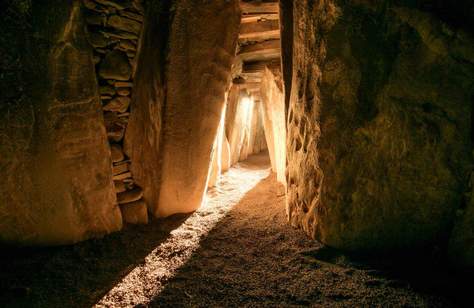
{"x":259,"y":7}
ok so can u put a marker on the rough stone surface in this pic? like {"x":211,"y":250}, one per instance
{"x":115,"y":66}
{"x":130,"y":195}
{"x":202,"y":48}
{"x":135,"y":212}
{"x":53,"y":148}
{"x":379,"y":126}
{"x":275,"y":123}
{"x":142,"y":140}
{"x":124,"y":24}
{"x":117,"y":153}
{"x":118,"y":104}
{"x":234,"y":123}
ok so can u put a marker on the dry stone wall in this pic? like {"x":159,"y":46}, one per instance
{"x":114,"y":29}
{"x":379,"y":126}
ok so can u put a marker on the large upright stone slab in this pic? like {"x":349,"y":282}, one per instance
{"x":144,"y":129}
{"x":202,"y":48}
{"x":57,"y":186}
{"x":379,"y":125}
{"x":275,"y":123}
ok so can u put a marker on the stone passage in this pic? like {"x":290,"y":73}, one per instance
{"x":114,"y":32}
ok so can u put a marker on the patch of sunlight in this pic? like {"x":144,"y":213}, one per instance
{"x":147,"y":280}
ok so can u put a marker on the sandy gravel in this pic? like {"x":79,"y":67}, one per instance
{"x":236,"y":251}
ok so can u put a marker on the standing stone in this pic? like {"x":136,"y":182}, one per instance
{"x":115,"y":66}
{"x":201,"y":59}
{"x":56,"y":185}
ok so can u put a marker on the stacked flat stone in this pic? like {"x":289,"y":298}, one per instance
{"x":114,"y":28}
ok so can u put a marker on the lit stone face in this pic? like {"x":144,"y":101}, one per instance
{"x":378,"y":126}
{"x":59,"y":181}
{"x":202,"y":47}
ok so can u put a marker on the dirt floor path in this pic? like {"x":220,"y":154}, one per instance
{"x":236,"y":251}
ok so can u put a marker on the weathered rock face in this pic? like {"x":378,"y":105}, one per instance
{"x":202,"y":47}
{"x":234,"y":122}
{"x":257,"y":142}
{"x":142,"y":140}
{"x":275,"y":123}
{"x":57,"y":186}
{"x":379,"y":125}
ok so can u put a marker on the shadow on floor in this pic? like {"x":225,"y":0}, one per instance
{"x":253,"y":258}
{"x":79,"y":275}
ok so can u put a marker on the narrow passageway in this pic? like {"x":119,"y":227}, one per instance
{"x":147,"y":280}
{"x":236,"y":153}
{"x":237,"y":251}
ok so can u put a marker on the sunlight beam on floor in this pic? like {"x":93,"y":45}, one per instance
{"x":147,"y":280}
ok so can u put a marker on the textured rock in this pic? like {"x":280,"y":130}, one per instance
{"x":135,"y":212}
{"x":118,"y":4}
{"x":130,"y":195}
{"x":123,"y":91}
{"x":118,"y":104}
{"x":124,"y":24}
{"x":118,"y":34}
{"x":107,"y":90}
{"x":57,"y":186}
{"x":202,"y":48}
{"x":115,"y":126}
{"x":122,"y":176}
{"x":274,"y":122}
{"x":127,"y":45}
{"x":119,"y":168}
{"x":117,"y":153}
{"x":235,"y":115}
{"x":142,"y":141}
{"x":119,"y":186}
{"x":378,"y":127}
{"x":225,"y":154}
{"x":115,"y":66}
{"x":132,"y":15}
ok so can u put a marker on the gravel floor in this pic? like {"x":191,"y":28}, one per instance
{"x":236,"y":251}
